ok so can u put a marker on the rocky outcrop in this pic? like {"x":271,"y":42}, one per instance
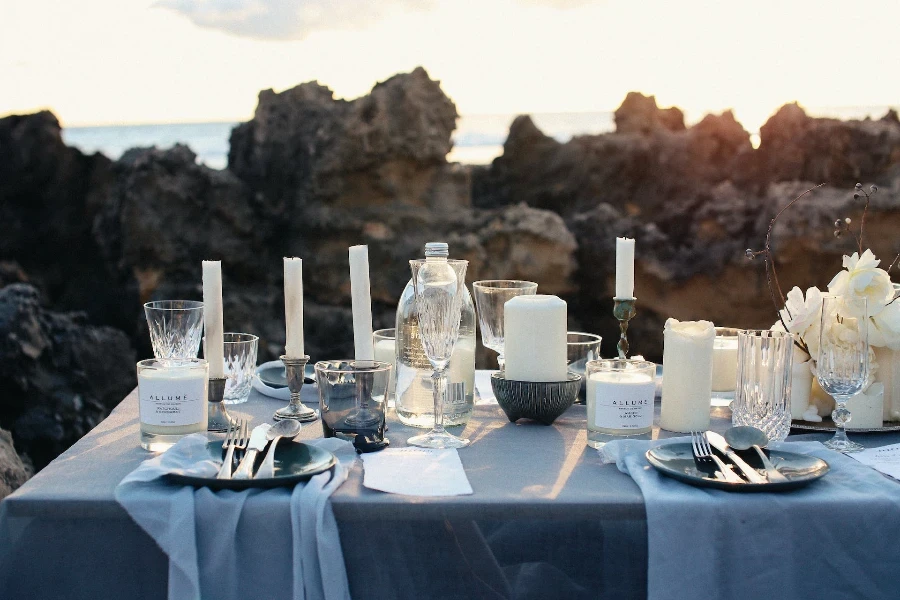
{"x":796,"y":147}
{"x":59,"y":376}
{"x":649,"y":166}
{"x":13,"y":470}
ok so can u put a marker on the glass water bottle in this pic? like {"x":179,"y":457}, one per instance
{"x":415,"y":400}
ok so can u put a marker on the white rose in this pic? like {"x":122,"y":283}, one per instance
{"x":800,"y":314}
{"x":884,"y":327}
{"x":863,"y":279}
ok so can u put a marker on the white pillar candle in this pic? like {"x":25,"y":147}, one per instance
{"x":535,"y":345}
{"x":889,"y":374}
{"x":866,"y":408}
{"x":801,"y":386}
{"x":687,"y":375}
{"x":214,"y":347}
{"x":624,"y":268}
{"x":361,"y":302}
{"x":724,"y":368}
{"x":293,"y":307}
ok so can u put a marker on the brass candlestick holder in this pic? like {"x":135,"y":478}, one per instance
{"x":624,"y":311}
{"x":217,"y":417}
{"x":294,"y":369}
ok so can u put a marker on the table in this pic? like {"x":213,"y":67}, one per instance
{"x":547,"y":519}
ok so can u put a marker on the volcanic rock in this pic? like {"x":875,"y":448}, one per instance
{"x":59,"y":376}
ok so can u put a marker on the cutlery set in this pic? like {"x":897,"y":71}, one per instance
{"x":703,"y":444}
{"x":251,"y":445}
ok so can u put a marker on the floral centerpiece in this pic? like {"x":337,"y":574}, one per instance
{"x":800,"y":313}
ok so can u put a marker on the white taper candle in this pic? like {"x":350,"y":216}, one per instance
{"x":624,"y":268}
{"x":362,"y":303}
{"x":214,"y":348}
{"x":293,"y":307}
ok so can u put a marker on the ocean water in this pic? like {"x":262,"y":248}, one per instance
{"x":478,"y":139}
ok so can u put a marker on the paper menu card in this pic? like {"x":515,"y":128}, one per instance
{"x":416,"y":472}
{"x":885,"y":459}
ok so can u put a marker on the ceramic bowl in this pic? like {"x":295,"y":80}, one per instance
{"x":541,"y":401}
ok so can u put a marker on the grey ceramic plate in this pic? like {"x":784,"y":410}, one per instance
{"x":294,"y":461}
{"x":677,"y":461}
{"x":828,"y":425}
{"x":274,"y":376}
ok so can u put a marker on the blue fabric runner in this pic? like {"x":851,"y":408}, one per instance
{"x":238,"y":544}
{"x":837,"y":538}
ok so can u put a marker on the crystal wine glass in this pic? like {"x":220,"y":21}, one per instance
{"x":842,"y":366}
{"x":440,"y":288}
{"x":490,"y":297}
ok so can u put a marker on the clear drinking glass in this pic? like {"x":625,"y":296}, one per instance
{"x":581,"y":348}
{"x":724,"y":366}
{"x":353,"y":396}
{"x":240,"y":366}
{"x":439,"y":287}
{"x":842,"y":365}
{"x":386,"y":351}
{"x":176,"y":327}
{"x":490,"y":297}
{"x":762,"y":395}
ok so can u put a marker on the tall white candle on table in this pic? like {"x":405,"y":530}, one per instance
{"x":362,"y":303}
{"x":801,"y":386}
{"x":214,"y":348}
{"x":866,"y":408}
{"x":624,"y":268}
{"x":724,"y":369}
{"x":293,"y":307}
{"x":687,"y":375}
{"x":535,"y":344}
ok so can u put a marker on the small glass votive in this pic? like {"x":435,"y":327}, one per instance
{"x":176,"y":327}
{"x":240,"y":365}
{"x":386,"y":351}
{"x":353,"y":397}
{"x":581,"y":348}
{"x":724,"y":365}
{"x":620,"y":395}
{"x":172,"y":399}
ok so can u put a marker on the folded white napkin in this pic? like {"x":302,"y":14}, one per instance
{"x":217,"y":541}
{"x":416,"y":472}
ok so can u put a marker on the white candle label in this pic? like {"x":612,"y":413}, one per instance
{"x":623,"y":406}
{"x":172,"y":402}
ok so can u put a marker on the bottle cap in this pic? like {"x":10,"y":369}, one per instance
{"x":437,"y":249}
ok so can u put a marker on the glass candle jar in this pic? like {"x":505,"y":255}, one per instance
{"x":172,"y":396}
{"x":620,"y":395}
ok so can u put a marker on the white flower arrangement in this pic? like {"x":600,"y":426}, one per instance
{"x":800,"y":313}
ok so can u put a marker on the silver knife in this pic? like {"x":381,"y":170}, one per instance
{"x":257,"y":443}
{"x":718,"y":442}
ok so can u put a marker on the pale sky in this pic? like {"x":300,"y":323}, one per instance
{"x":138,"y":61}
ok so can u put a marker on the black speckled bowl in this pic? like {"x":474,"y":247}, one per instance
{"x":541,"y":401}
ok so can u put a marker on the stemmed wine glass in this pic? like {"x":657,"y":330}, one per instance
{"x":490,"y":297}
{"x":842,"y":367}
{"x":440,"y":288}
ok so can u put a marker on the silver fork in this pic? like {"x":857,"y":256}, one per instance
{"x":236,"y":438}
{"x":703,"y":454}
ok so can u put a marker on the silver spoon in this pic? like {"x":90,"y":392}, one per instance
{"x":745,"y":437}
{"x":287,"y":428}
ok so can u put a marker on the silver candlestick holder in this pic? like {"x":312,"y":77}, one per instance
{"x":217,"y":417}
{"x":294,"y":369}
{"x":623,"y":310}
